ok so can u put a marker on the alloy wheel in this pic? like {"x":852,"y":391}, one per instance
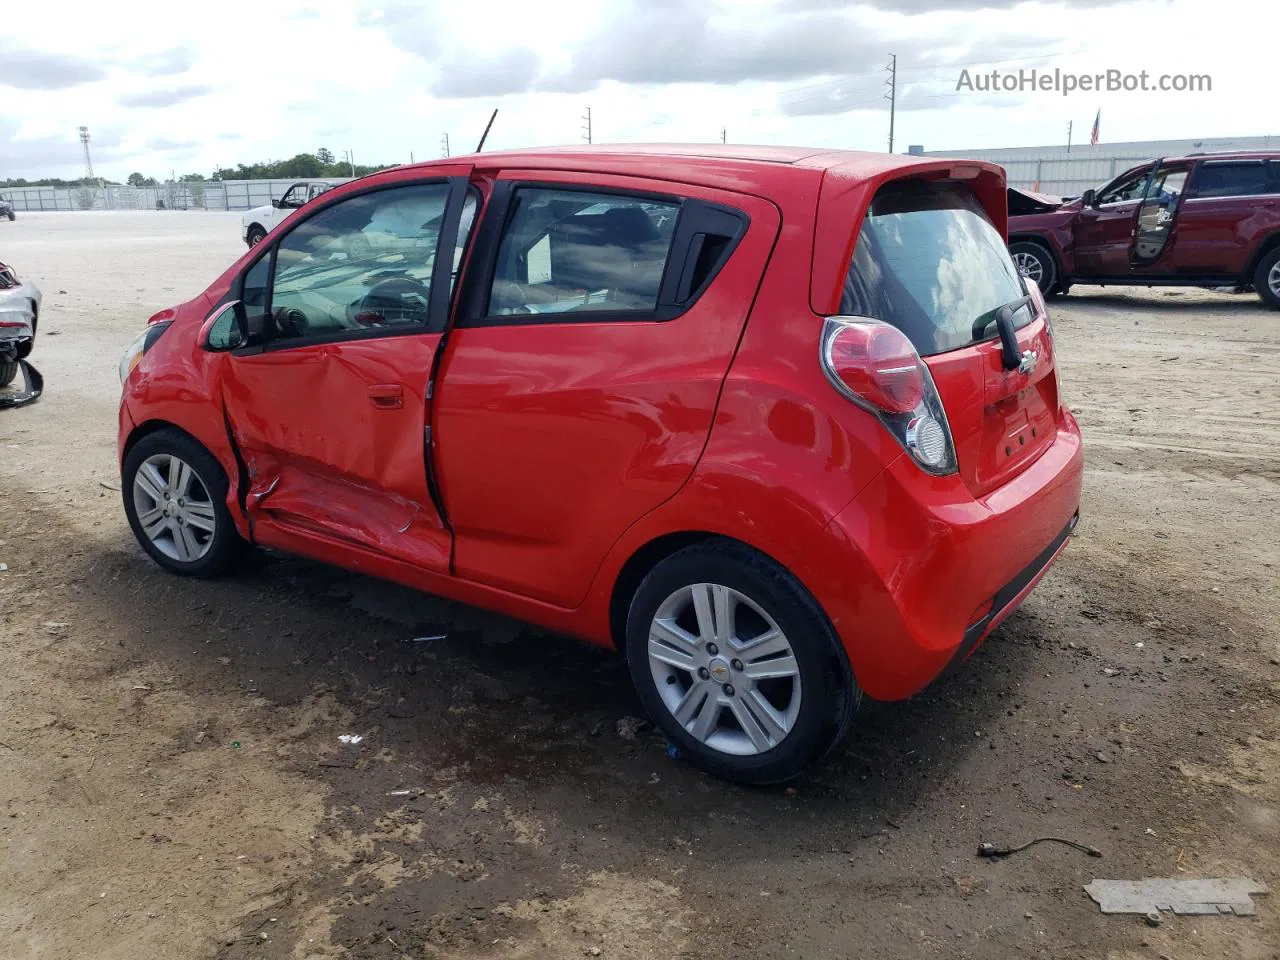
{"x":1029,"y":266}
{"x":175,"y":511}
{"x":724,"y":669}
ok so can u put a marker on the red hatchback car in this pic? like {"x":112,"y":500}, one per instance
{"x":783,"y":425}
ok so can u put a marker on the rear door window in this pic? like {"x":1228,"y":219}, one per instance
{"x":929,"y":261}
{"x":1232,"y":180}
{"x":566,"y":251}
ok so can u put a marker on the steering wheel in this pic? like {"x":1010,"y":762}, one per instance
{"x":392,"y":301}
{"x":290,"y":322}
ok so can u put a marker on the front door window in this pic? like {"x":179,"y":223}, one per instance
{"x":361,"y":264}
{"x":294,"y":197}
{"x":1126,"y":190}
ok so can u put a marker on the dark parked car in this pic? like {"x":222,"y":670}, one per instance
{"x":1198,"y":221}
{"x":6,"y":209}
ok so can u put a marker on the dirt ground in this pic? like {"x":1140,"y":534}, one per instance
{"x":172,"y":783}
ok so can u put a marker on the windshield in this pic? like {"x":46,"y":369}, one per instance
{"x":930,"y":262}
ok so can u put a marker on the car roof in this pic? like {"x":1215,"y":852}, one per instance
{"x":710,"y":164}
{"x":1235,"y":155}
{"x":1229,"y":155}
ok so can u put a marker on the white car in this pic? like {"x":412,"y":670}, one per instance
{"x":19,"y":314}
{"x":256,"y":223}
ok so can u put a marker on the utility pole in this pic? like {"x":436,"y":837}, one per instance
{"x":1069,"y":122}
{"x":411,"y":156}
{"x":722,"y":135}
{"x":586,"y":126}
{"x":444,"y":145}
{"x":892,"y":95}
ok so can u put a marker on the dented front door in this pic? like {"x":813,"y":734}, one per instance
{"x":328,"y":411}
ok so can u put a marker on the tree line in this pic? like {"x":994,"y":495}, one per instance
{"x":319,"y":165}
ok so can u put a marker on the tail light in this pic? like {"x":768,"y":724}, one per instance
{"x":878,"y":368}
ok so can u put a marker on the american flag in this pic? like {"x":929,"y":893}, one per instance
{"x":1093,"y":137}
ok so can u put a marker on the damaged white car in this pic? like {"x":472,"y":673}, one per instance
{"x":19,"y":316}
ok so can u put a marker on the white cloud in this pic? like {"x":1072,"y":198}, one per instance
{"x":388,"y":79}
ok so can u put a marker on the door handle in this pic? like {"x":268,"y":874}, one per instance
{"x":387,"y":396}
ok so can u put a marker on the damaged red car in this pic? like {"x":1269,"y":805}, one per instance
{"x":783,"y":426}
{"x":1209,"y":220}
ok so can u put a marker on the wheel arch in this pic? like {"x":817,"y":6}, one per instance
{"x":637,"y":567}
{"x":1041,"y":240}
{"x":156,"y":425}
{"x":650,"y":554}
{"x":1268,"y":244}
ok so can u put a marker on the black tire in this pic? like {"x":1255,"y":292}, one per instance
{"x":224,"y":548}
{"x":1267,"y":286}
{"x":828,"y":693}
{"x":255,"y":236}
{"x":1045,"y":270}
{"x":12,"y":216}
{"x":8,"y":370}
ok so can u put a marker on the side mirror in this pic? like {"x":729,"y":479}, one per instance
{"x":1089,"y":198}
{"x":229,"y":328}
{"x":276,"y":204}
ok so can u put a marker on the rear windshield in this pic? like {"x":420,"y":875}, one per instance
{"x":929,"y":262}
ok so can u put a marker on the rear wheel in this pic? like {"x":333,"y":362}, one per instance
{"x":175,"y":498}
{"x":8,"y":370}
{"x":256,"y":235}
{"x":1035,"y":263}
{"x":1266,"y":279}
{"x":12,"y":216}
{"x":737,"y":664}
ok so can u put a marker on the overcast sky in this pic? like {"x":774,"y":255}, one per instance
{"x":165,"y":86}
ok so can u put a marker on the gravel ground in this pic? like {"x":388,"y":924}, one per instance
{"x":172,"y":783}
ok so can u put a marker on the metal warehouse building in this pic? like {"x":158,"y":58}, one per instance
{"x":1055,"y":170}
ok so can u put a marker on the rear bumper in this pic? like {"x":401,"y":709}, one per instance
{"x":929,"y":571}
{"x":19,"y":307}
{"x":1011,"y":595}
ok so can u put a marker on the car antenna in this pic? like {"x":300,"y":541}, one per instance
{"x":485,"y":136}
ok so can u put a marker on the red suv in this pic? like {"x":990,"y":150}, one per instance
{"x":783,"y":425}
{"x":1200,"y":221}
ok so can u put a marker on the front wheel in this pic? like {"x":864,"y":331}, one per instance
{"x":175,"y":496}
{"x":1266,"y":279}
{"x":255,"y":236}
{"x":737,"y":664}
{"x":1035,"y":263}
{"x":12,"y":216}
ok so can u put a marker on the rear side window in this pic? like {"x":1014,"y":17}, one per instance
{"x":566,"y":251}
{"x":929,"y":261}
{"x":1234,"y":180}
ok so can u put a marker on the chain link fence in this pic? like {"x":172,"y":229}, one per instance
{"x":195,"y":195}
